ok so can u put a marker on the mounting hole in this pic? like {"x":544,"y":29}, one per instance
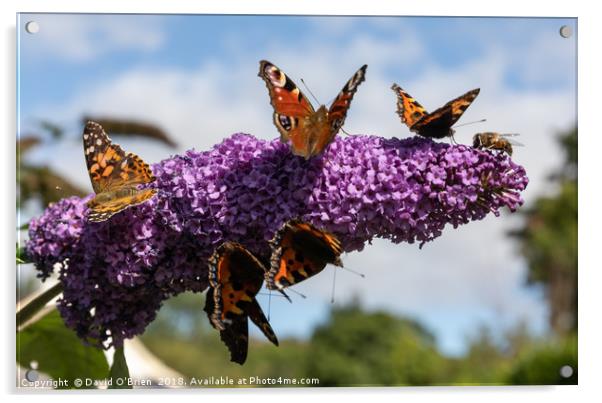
{"x":32,"y":27}
{"x":566,"y":371}
{"x":31,"y":375}
{"x":566,"y":31}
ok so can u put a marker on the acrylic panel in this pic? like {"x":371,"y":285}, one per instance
{"x":308,"y":201}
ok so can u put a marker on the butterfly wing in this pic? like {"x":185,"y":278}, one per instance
{"x":336,"y":114}
{"x":105,"y":206}
{"x":108,"y":165}
{"x":291,"y":107}
{"x":438,"y":123}
{"x":235,"y":336}
{"x":235,"y":278}
{"x":408,"y":109}
{"x":114,"y":174}
{"x":257,"y":316}
{"x":300,"y":251}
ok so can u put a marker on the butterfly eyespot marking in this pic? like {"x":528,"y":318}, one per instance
{"x":276,"y":76}
{"x":308,"y":131}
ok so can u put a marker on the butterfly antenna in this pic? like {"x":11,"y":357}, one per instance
{"x":357,"y":273}
{"x":269,"y":304}
{"x":296,"y":292}
{"x":285,"y":296}
{"x":274,"y":295}
{"x":349,"y":134}
{"x":310,"y":93}
{"x":334,"y":281}
{"x":470,"y":123}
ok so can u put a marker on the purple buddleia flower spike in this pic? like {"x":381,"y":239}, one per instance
{"x":116,"y":273}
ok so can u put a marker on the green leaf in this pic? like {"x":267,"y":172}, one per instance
{"x":59,"y":352}
{"x":21,"y":255}
{"x":119,"y":369}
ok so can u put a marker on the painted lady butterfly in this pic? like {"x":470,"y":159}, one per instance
{"x":437,"y":124}
{"x":235,"y":278}
{"x":115,"y":175}
{"x":299,"y":251}
{"x":308,"y":130}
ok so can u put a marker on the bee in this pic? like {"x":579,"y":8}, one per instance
{"x":495,"y":141}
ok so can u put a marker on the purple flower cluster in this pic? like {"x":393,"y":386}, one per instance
{"x":116,"y":273}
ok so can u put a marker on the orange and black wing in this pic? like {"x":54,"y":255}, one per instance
{"x":291,"y":107}
{"x":108,"y":165}
{"x":408,"y":109}
{"x":114,"y":174}
{"x":235,"y":278}
{"x":300,"y":251}
{"x":438,"y":123}
{"x":338,"y":110}
{"x":235,"y":336}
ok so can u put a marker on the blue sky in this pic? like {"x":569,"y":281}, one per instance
{"x":196,"y":76}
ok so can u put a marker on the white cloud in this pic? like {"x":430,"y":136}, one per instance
{"x":469,"y":275}
{"x":89,"y":36}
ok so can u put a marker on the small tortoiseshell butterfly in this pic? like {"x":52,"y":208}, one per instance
{"x":299,"y":251}
{"x":308,"y":130}
{"x":235,"y":278}
{"x":115,"y":176}
{"x":437,"y":124}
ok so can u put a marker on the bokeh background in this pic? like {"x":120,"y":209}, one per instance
{"x":492,"y":302}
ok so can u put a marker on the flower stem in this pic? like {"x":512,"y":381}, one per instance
{"x":36,"y":304}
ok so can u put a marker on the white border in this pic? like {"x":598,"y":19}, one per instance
{"x":589,"y":178}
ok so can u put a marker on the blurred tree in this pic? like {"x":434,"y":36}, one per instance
{"x":549,"y":241}
{"x":483,"y":363}
{"x":553,"y":363}
{"x":359,"y":348}
{"x":354,"y":348}
{"x":39,"y":182}
{"x":129,"y":127}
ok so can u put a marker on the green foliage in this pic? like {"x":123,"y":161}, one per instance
{"x":485,"y":362}
{"x":359,"y":348}
{"x":58,"y":351}
{"x":548,"y":240}
{"x":355,"y":348}
{"x":542,"y":365}
{"x":552,"y":234}
{"x":119,"y":369}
